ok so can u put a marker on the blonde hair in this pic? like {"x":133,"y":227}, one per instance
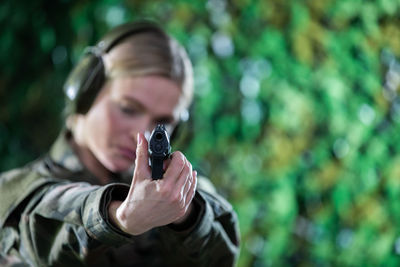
{"x":152,"y":53}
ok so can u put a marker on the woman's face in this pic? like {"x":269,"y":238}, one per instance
{"x":123,"y":108}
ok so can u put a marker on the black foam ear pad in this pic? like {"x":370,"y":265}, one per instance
{"x":182,"y":133}
{"x":84,"y":82}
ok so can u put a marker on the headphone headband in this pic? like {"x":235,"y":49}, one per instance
{"x":123,"y":31}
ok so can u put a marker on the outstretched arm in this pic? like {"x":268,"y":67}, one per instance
{"x":213,"y":237}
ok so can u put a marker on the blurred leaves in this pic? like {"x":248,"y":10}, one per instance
{"x":296,"y":118}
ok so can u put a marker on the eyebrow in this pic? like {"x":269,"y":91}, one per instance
{"x":137,"y":104}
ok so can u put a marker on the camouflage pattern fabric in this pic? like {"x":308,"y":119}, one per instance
{"x":53,"y":213}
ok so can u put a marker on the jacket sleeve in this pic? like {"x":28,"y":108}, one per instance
{"x":214,"y":239}
{"x":62,"y":222}
{"x":65,"y":224}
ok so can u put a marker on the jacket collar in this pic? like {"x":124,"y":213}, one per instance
{"x":63,"y":155}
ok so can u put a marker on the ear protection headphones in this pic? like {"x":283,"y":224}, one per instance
{"x":88,"y":76}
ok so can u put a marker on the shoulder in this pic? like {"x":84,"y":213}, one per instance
{"x":17,"y":184}
{"x":25,"y":174}
{"x":14,"y":175}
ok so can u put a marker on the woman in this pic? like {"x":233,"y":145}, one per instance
{"x":80,"y":205}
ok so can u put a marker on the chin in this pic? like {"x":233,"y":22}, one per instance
{"x":119,"y":166}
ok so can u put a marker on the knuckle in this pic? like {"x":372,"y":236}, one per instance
{"x":193,"y":188}
{"x":179,"y":158}
{"x":165,"y":194}
{"x":141,"y":153}
{"x":187,"y":168}
{"x":181,"y":212}
{"x":178,"y":203}
{"x":180,"y":164}
{"x":190,"y":166}
{"x":182,"y":204}
{"x":176,"y":198}
{"x":138,"y":173}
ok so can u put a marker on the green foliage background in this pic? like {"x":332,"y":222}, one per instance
{"x":297,"y":114}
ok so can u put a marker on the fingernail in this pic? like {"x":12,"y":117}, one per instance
{"x":139,"y":139}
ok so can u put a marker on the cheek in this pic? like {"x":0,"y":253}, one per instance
{"x":103,"y":126}
{"x":113,"y":124}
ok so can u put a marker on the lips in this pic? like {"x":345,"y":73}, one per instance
{"x":127,"y":152}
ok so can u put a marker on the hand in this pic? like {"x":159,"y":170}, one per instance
{"x":151,"y":203}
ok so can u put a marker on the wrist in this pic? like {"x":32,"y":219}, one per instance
{"x":112,"y":212}
{"x":119,"y":218}
{"x":185,"y":216}
{"x":188,"y":220}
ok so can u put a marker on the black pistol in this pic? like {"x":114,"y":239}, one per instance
{"x":159,"y":150}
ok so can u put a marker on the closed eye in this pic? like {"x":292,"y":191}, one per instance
{"x":128,"y":110}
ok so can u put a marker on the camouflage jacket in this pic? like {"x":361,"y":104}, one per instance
{"x":52,"y":213}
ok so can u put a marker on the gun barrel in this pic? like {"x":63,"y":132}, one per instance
{"x":159,"y":150}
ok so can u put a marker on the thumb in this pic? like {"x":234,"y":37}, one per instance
{"x":142,"y":167}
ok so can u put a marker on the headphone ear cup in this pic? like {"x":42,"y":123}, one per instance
{"x":181,"y":135}
{"x":88,"y":77}
{"x":83,"y":83}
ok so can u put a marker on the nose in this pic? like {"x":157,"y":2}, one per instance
{"x":143,"y":125}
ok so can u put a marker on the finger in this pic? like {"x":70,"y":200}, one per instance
{"x":142,"y":168}
{"x":185,"y":176}
{"x":175,"y":167}
{"x":186,"y":179}
{"x":166,"y":163}
{"x":177,"y":186}
{"x":192,"y":189}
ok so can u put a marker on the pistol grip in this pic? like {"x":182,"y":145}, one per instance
{"x":157,"y":168}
